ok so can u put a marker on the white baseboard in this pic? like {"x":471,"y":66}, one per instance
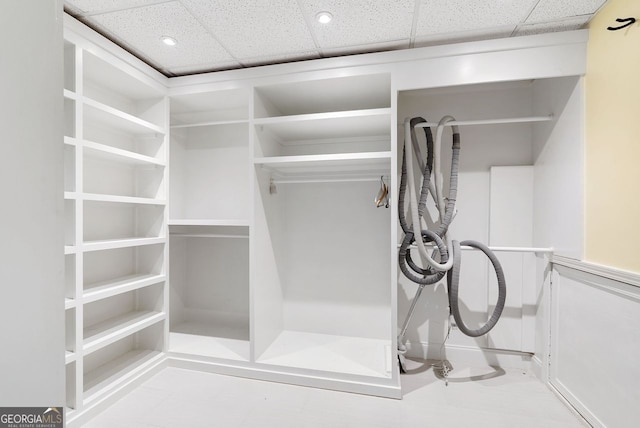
{"x":387,"y":388}
{"x":575,"y":405}
{"x":471,"y":356}
{"x":536,"y":369}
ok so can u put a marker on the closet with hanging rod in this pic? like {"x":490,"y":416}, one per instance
{"x":271,"y":253}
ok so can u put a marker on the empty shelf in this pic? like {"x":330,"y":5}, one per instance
{"x":307,"y":165}
{"x":103,"y":289}
{"x":104,"y":333}
{"x":69,"y":357}
{"x":121,"y":243}
{"x":208,"y":222}
{"x":102,"y":151}
{"x":117,"y":119}
{"x":332,"y":125}
{"x":338,"y":354}
{"x":98,"y":197}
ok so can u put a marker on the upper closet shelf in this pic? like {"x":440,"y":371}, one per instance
{"x":306,"y":165}
{"x":331,"y":125}
{"x":113,"y":118}
{"x":210,"y":123}
{"x":101,"y":151}
{"x":489,"y":121}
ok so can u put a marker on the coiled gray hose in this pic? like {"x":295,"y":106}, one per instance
{"x":433,"y":273}
{"x":453,"y":281}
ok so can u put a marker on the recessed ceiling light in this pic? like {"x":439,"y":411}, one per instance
{"x":324,"y":17}
{"x":169,"y":41}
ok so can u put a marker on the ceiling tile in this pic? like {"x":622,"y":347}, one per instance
{"x":447,"y":16}
{"x":98,"y":6}
{"x":359,"y":22}
{"x":249,"y":29}
{"x":141,"y":28}
{"x":549,"y":10}
{"x":550,"y":27}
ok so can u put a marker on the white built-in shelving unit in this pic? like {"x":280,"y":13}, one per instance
{"x":116,"y":138}
{"x":226,"y":222}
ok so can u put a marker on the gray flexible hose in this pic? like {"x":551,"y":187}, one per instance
{"x":453,"y":281}
{"x":447,"y":250}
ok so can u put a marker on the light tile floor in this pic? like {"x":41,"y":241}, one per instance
{"x":177,"y":398}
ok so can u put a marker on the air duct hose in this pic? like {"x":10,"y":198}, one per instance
{"x":447,"y":251}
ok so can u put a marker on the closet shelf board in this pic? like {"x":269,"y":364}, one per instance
{"x":322,"y":126}
{"x":118,"y":371}
{"x":112,"y":117}
{"x":69,"y":357}
{"x":105,"y":333}
{"x":347,"y":162}
{"x":210,"y":123}
{"x":121,"y":243}
{"x":70,"y":249}
{"x":69,"y":303}
{"x":98,"y":197}
{"x":71,"y":141}
{"x":208,"y":222}
{"x":102,"y":151}
{"x":103,"y":289}
{"x":70,"y":94}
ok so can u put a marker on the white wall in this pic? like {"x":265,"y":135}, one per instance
{"x":595,"y":344}
{"x":31,"y":182}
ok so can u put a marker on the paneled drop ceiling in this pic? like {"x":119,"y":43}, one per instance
{"x":225,"y":34}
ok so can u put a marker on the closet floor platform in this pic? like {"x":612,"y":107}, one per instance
{"x":475,"y":397}
{"x":340,"y":354}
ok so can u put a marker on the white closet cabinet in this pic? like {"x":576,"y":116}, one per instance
{"x":321,"y":275}
{"x":512,"y":134}
{"x":210,"y":224}
{"x":253,"y":228}
{"x":115,"y":205}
